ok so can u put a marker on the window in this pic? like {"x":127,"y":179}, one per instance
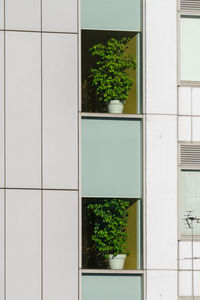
{"x":189,"y":192}
{"x":189,"y":41}
{"x":107,"y":287}
{"x":190,"y":48}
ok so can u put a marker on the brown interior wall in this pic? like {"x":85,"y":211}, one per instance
{"x":131,"y":260}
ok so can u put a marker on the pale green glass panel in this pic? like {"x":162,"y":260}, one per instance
{"x":109,"y":287}
{"x":111,"y":14}
{"x":190,"y":48}
{"x":190,"y":199}
{"x":111,"y":158}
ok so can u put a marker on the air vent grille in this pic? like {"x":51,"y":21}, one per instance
{"x":190,"y":155}
{"x":190,"y":5}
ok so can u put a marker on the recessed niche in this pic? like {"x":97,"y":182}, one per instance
{"x":90,"y":100}
{"x":92,"y":258}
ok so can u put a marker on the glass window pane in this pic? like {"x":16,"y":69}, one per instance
{"x":111,"y":14}
{"x":190,"y":48}
{"x":190,"y":199}
{"x":111,"y":158}
{"x":111,"y":287}
{"x":94,"y":259}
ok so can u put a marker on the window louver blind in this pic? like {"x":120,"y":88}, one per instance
{"x":190,"y":155}
{"x":190,"y":5}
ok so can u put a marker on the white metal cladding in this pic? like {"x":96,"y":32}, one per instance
{"x":190,"y":5}
{"x":190,"y":154}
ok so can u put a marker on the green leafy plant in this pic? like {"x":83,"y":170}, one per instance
{"x":109,"y":219}
{"x":110,"y":78}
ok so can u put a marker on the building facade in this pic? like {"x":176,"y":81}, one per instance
{"x":61,"y":151}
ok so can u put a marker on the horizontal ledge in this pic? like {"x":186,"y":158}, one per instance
{"x":189,"y":238}
{"x":107,"y":115}
{"x":102,"y":271}
{"x":111,"y":29}
{"x":189,"y":12}
{"x":189,"y":83}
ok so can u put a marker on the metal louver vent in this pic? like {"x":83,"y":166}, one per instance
{"x":190,"y":5}
{"x":190,"y":154}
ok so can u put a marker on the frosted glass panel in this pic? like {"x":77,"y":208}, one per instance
{"x":106,"y":287}
{"x":111,"y":14}
{"x":190,"y":48}
{"x":111,"y":158}
{"x":190,"y":195}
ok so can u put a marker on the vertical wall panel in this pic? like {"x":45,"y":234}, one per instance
{"x":161,"y":192}
{"x":196,"y":283}
{"x":161,"y":61}
{"x":23,"y":108}
{"x":59,"y":15}
{"x":60,"y":111}
{"x":1,"y":109}
{"x":1,"y":14}
{"x":1,"y":244}
{"x":161,"y":285}
{"x":184,"y":129}
{"x":23,"y":14}
{"x":185,"y":251}
{"x":23,"y":244}
{"x":185,"y":283}
{"x":196,"y":101}
{"x":185,"y":101}
{"x":60,"y":245}
{"x":196,"y":129}
{"x":196,"y":254}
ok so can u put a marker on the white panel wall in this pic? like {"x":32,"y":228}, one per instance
{"x":1,"y":244}
{"x":185,"y":129}
{"x":196,"y":129}
{"x":60,"y":111}
{"x":23,"y":108}
{"x":1,"y":14}
{"x":185,"y":255}
{"x":59,"y":15}
{"x":161,"y":285}
{"x":161,"y":192}
{"x":60,"y":245}
{"x":197,"y":283}
{"x":161,"y":61}
{"x":185,"y":103}
{"x":1,"y":109}
{"x":23,"y":14}
{"x":196,"y":101}
{"x":185,"y":283}
{"x":23,"y":244}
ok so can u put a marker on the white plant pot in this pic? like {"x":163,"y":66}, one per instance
{"x":115,"y":107}
{"x":116,"y":262}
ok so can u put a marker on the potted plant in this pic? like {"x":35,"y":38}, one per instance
{"x":109,"y":219}
{"x":110,"y":78}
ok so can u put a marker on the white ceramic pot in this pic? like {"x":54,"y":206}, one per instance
{"x":116,"y":262}
{"x":115,"y":107}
